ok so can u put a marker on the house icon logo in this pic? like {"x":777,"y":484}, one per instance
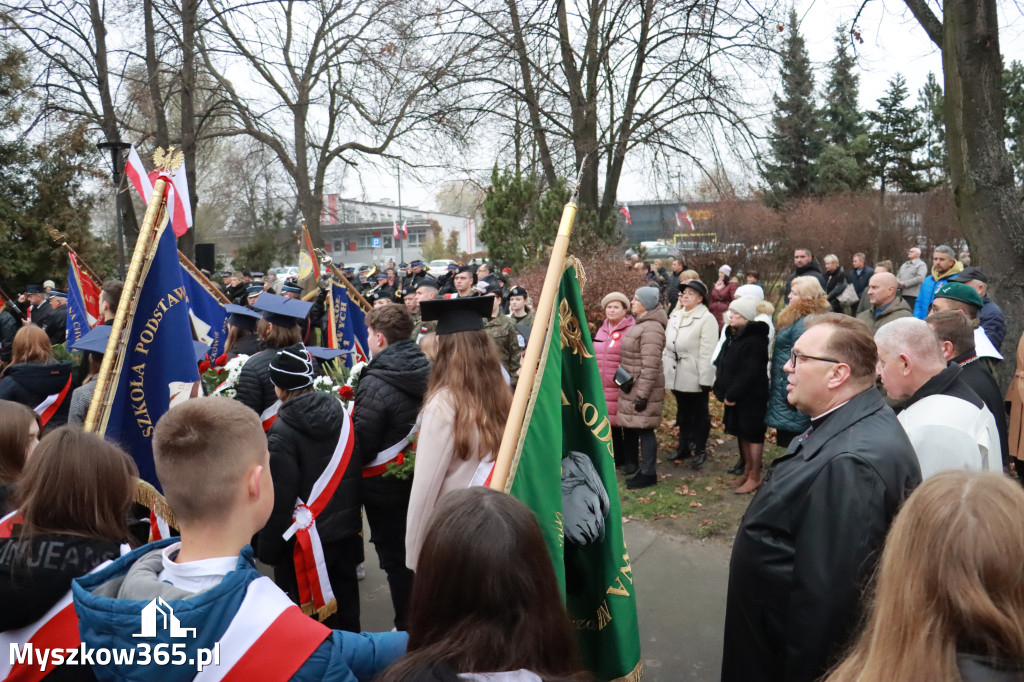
{"x":158,"y":612}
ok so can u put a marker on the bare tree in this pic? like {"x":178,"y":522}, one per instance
{"x":327,"y":81}
{"x":603,"y":79}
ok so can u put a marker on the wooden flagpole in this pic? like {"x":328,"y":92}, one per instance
{"x":99,"y":408}
{"x":59,"y":237}
{"x":534,"y":348}
{"x":197,"y":273}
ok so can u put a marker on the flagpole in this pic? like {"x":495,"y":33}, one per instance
{"x":353,"y":293}
{"x":100,"y":405}
{"x":534,"y":348}
{"x":57,"y":236}
{"x":197,"y":273}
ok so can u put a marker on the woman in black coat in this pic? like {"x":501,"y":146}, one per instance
{"x":835,"y":282}
{"x":310,"y":426}
{"x":742,"y":384}
{"x":36,"y":379}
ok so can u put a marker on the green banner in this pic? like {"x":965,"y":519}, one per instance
{"x":573,"y":490}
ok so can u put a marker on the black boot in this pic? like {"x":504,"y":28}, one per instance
{"x":699,"y":459}
{"x":739,"y":468}
{"x":682,"y":452}
{"x":642,"y":481}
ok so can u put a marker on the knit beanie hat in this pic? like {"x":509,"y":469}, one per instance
{"x":648,"y":297}
{"x":292,"y":368}
{"x":750,"y":290}
{"x":745,"y":306}
{"x":726,"y":269}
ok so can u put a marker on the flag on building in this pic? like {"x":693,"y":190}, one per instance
{"x":208,"y":316}
{"x":348,"y":325}
{"x":575,"y":495}
{"x":405,"y":229}
{"x":83,"y":301}
{"x":157,"y":367}
{"x":625,"y":212}
{"x":396,"y":228}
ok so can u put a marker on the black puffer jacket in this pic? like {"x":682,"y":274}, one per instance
{"x":388,"y":398}
{"x":301,"y":443}
{"x":810,"y":539}
{"x":812,"y":269}
{"x":254,"y":387}
{"x":30,"y":383}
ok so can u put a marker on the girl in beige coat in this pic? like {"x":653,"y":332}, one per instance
{"x":690,"y":341}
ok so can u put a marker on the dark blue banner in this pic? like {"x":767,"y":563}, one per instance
{"x":83,"y":302}
{"x":157,"y":367}
{"x":212,"y":325}
{"x":350,"y":325}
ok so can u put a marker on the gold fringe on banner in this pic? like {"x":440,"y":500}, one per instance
{"x":324,"y":612}
{"x":635,"y":676}
{"x":150,"y":497}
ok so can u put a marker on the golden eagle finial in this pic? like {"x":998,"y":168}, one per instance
{"x":170,"y":160}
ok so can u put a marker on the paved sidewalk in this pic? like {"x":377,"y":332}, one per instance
{"x":680,"y":585}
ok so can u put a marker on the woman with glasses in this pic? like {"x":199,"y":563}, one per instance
{"x":806,"y":297}
{"x":742,"y":384}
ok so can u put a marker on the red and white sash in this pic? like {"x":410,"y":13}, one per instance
{"x":57,"y":629}
{"x":269,"y":415}
{"x":49,"y":407}
{"x":396,"y":453}
{"x":315,"y":593}
{"x":8,"y":522}
{"x":270,"y":638}
{"x":159,"y":529}
{"x":482,"y":475}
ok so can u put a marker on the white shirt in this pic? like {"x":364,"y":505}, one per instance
{"x":195,"y":576}
{"x":950,"y":433}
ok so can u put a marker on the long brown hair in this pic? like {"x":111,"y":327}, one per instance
{"x":950,"y":581}
{"x":77,"y":483}
{"x":235,"y":334}
{"x":15,"y":419}
{"x":31,"y":344}
{"x":485,"y":598}
{"x":467,"y":364}
{"x":277,"y":336}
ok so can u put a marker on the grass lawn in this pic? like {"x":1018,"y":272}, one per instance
{"x":698,"y":504}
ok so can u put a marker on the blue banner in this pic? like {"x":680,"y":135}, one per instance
{"x":157,"y":366}
{"x":78,"y":323}
{"x":350,"y":324}
{"x":209,"y":311}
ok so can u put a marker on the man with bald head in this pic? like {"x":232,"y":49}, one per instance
{"x":886,"y":305}
{"x":947,"y":422}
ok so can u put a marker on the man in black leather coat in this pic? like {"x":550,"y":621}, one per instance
{"x":812,"y":534}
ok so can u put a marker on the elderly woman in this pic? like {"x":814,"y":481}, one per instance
{"x":835,"y":281}
{"x":806,"y":297}
{"x":643,"y":392}
{"x":608,"y":349}
{"x":690,"y":340}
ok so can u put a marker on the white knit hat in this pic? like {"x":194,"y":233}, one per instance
{"x":745,"y":306}
{"x":750,"y":290}
{"x":726,"y":269}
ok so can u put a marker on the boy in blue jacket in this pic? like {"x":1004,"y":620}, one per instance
{"x":195,"y":607}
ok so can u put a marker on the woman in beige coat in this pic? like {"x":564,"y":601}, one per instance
{"x":1015,"y":396}
{"x":639,"y":411}
{"x":690,"y":341}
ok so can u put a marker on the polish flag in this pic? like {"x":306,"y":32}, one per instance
{"x":682,"y":217}
{"x":625,"y":212}
{"x":396,"y":229}
{"x":405,"y":230}
{"x":177,"y":190}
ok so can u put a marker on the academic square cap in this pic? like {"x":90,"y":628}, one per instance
{"x":455,"y":315}
{"x":281,"y":311}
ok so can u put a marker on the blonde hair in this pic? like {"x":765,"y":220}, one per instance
{"x":765,"y":307}
{"x":949,"y":581}
{"x":808,"y":287}
{"x":467,"y":364}
{"x":831,"y":258}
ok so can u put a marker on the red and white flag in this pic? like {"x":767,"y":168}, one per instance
{"x":396,"y":229}
{"x":405,"y":229}
{"x":682,"y":217}
{"x":625,"y":212}
{"x":177,"y":190}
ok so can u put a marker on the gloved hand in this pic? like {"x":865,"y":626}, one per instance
{"x":640,"y":404}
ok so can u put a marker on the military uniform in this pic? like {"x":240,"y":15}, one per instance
{"x":525,"y":319}
{"x":506,"y":337}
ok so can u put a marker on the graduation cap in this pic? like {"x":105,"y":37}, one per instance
{"x":457,"y":314}
{"x":201,"y":348}
{"x":242,"y":317}
{"x":321,"y":353}
{"x":95,"y":340}
{"x":281,"y":311}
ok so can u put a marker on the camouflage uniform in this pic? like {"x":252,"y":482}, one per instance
{"x":506,"y":337}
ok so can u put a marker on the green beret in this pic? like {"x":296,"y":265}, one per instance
{"x":960,"y":292}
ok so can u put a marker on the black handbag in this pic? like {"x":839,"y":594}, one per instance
{"x":623,"y":379}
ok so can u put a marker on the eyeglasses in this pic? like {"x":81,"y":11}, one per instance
{"x":794,"y":357}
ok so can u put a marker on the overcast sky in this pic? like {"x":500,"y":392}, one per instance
{"x":893,"y":42}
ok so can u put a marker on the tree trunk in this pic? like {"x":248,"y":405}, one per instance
{"x":187,"y":241}
{"x":153,"y":77}
{"x":983,"y":189}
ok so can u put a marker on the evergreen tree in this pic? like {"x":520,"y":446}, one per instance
{"x":895,"y":139}
{"x":795,"y":140}
{"x":506,"y":217}
{"x":1013,"y":106}
{"x":935,"y":163}
{"x":841,"y":166}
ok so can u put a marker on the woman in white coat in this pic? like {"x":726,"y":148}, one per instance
{"x":690,"y":340}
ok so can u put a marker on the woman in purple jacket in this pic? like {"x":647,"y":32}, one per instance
{"x":607,"y":348}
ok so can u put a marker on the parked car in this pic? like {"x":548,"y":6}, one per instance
{"x":662,"y":251}
{"x":436,"y":268}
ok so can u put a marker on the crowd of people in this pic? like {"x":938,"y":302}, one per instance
{"x":895,"y":430}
